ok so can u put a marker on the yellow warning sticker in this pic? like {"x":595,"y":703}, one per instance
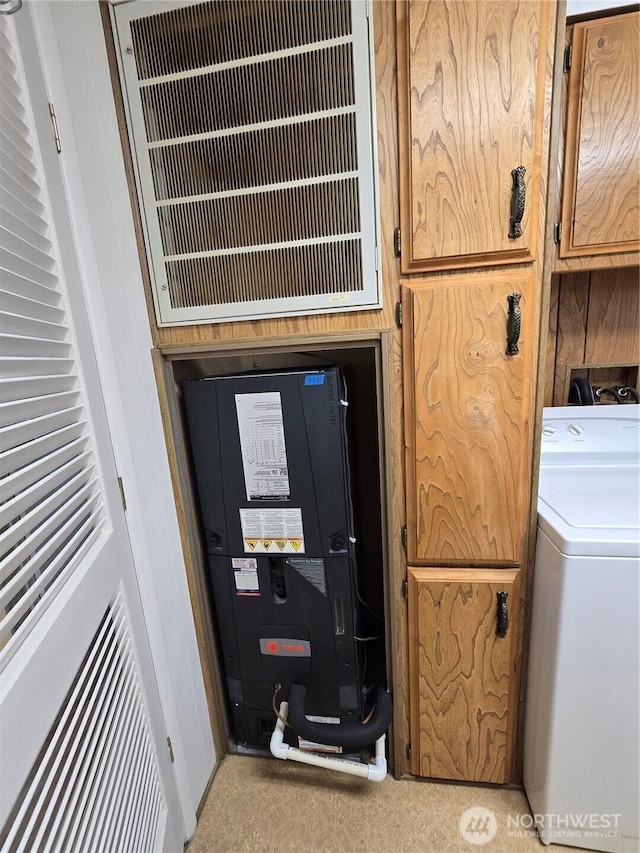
{"x":274,"y":546}
{"x":276,"y":531}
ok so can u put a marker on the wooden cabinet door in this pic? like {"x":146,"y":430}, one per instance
{"x":468,"y":411}
{"x":600,"y":209}
{"x":462,"y":673}
{"x":471,"y":79}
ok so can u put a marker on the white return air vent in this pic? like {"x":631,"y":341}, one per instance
{"x":251,"y":124}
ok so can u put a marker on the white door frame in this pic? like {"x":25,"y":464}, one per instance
{"x":74,"y":58}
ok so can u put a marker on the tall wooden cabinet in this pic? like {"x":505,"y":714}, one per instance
{"x":470,"y":102}
{"x":601,"y":186}
{"x":474,"y":109}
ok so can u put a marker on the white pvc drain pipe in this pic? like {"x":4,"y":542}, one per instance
{"x":373,"y":772}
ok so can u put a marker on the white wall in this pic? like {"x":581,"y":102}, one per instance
{"x":77,"y":74}
{"x":582,"y":7}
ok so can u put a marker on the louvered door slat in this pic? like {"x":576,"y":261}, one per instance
{"x":10,"y":149}
{"x":122,"y":780}
{"x":21,"y":410}
{"x":135,"y":828}
{"x":19,"y":186}
{"x":28,"y":267}
{"x":100,"y":806}
{"x":43,"y":533}
{"x":78,"y":806}
{"x":15,"y":210}
{"x":7,"y":66}
{"x":18,"y":434}
{"x":22,"y":286}
{"x":112,"y":693}
{"x":40,"y":563}
{"x":23,"y":246}
{"x":38,"y":486}
{"x":24,"y":478}
{"x":23,"y":368}
{"x":22,"y":177}
{"x":14,"y":116}
{"x":10,"y":183}
{"x":20,"y":345}
{"x":81,"y":503}
{"x":21,"y":306}
{"x":28,"y":523}
{"x":142,"y":828}
{"x":98,"y":649}
{"x":32,"y":593}
{"x":62,"y":754}
{"x":134,"y":755}
{"x":18,"y":225}
{"x":31,"y":327}
{"x":116,"y":808}
{"x":12,"y":109}
{"x":24,"y":453}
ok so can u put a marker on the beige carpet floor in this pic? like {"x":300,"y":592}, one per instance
{"x":264,"y":805}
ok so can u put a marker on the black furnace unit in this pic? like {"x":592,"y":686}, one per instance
{"x":270,"y":456}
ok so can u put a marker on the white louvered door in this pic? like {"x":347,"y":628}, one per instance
{"x":85,"y":763}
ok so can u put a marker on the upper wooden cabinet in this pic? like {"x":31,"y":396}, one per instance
{"x":601,"y":187}
{"x":471,"y":81}
{"x":468,"y":411}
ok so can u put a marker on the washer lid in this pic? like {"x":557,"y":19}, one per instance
{"x":591,"y":510}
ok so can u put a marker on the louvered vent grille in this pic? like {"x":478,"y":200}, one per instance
{"x":49,"y":493}
{"x":96,"y":784}
{"x":212,"y":280}
{"x":251,"y":219}
{"x":251,"y":160}
{"x":167,"y":106}
{"x":187,"y":39}
{"x":252,"y":127}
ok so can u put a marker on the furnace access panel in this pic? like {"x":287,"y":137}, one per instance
{"x":270,"y":457}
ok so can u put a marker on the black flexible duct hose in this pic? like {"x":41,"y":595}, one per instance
{"x":581,"y":392}
{"x":348,"y":735}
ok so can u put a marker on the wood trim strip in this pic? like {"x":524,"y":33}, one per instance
{"x":194,"y":560}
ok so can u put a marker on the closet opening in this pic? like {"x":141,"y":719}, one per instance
{"x":362,"y":366}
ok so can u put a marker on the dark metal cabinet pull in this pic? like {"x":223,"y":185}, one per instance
{"x":514,"y":322}
{"x":518,"y":197}
{"x":502,"y":614}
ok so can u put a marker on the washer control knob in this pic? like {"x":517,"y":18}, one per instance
{"x":548,"y":429}
{"x":576,"y":429}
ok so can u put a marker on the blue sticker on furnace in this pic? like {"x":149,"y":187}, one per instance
{"x":314,"y":379}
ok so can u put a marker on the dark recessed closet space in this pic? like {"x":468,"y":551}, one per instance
{"x":359,"y":366}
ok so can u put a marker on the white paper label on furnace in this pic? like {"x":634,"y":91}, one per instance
{"x":272,"y":531}
{"x":264,"y":453}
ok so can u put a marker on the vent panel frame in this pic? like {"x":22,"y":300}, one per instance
{"x":181,"y":195}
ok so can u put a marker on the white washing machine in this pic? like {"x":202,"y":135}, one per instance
{"x":582,"y":731}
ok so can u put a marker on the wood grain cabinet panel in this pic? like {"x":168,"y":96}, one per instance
{"x":601,"y":192}
{"x":470,"y":101}
{"x":462,"y":673}
{"x":468,"y":418}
